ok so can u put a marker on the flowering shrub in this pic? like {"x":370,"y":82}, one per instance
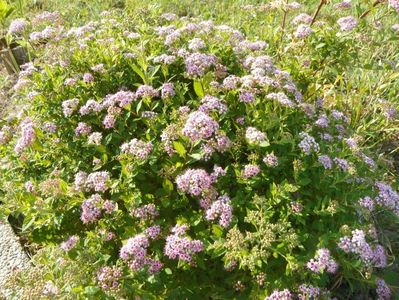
{"x":185,"y":163}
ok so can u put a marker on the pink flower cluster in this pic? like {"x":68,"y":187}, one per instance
{"x":108,"y":277}
{"x":46,"y":16}
{"x":322,"y":121}
{"x":109,"y":206}
{"x":138,"y":149}
{"x":17,"y":26}
{"x":153,"y":232}
{"x":394,"y":4}
{"x":82,"y":129}
{"x":250,"y":171}
{"x":342,"y":164}
{"x":221,"y":209}
{"x":211,"y":103}
{"x":145,"y":212}
{"x":271,"y":160}
{"x":254,"y":136}
{"x":323,"y":261}
{"x":367,"y":203}
{"x":88,"y":78}
{"x":219,"y":143}
{"x":325,"y":161}
{"x":217,"y":172}
{"x":308,"y":292}
{"x":69,"y":106}
{"x":302,"y":18}
{"x":70,"y":243}
{"x":303,"y":31}
{"x":387,"y":197}
{"x":164,"y":59}
{"x":28,"y":135}
{"x":194,"y":181}
{"x":280,"y":295}
{"x":198,"y":63}
{"x":121,"y":98}
{"x":167,"y":90}
{"x":347,"y":23}
{"x":91,"y":209}
{"x":146,"y":91}
{"x":357,"y":244}
{"x":80,"y":181}
{"x":97,"y":181}
{"x":29,"y":187}
{"x":179,"y":246}
{"x":247,"y":97}
{"x":135,"y":253}
{"x":90,"y":106}
{"x":49,"y":127}
{"x":308,"y":143}
{"x":199,"y":125}
{"x":383,"y":290}
{"x":109,"y":121}
{"x":95,"y":138}
{"x":281,"y":98}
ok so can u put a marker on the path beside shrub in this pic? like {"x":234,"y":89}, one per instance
{"x":12,"y":256}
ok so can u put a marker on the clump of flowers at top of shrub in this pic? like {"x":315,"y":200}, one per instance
{"x":186,"y":162}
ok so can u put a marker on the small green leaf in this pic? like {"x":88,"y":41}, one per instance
{"x":29,"y":224}
{"x":168,"y":271}
{"x":179,"y":148}
{"x":199,"y":91}
{"x":167,"y":185}
{"x":139,"y":104}
{"x":264,"y":144}
{"x":139,"y":72}
{"x":196,"y":156}
{"x":91,"y":290}
{"x":217,"y":230}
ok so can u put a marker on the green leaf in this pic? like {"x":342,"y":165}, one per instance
{"x":196,"y":156}
{"x":264,"y":144}
{"x":168,"y":185}
{"x":199,"y":91}
{"x":139,"y":72}
{"x":168,"y":271}
{"x":91,"y":290}
{"x":217,"y":230}
{"x":179,"y":148}
{"x":27,"y":225}
{"x":139,"y":104}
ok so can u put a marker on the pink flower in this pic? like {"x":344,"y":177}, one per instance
{"x":139,"y":149}
{"x":194,"y":181}
{"x":70,"y":243}
{"x":179,"y":246}
{"x":347,"y":23}
{"x":199,"y":126}
{"x":88,"y":78}
{"x":221,"y":209}
{"x":250,"y":171}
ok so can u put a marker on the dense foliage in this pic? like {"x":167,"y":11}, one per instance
{"x":173,"y":158}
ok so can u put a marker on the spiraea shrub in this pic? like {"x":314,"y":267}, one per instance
{"x":171,"y":158}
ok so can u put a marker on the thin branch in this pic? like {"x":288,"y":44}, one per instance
{"x":363,"y":15}
{"x":322,"y":2}
{"x":284,"y":21}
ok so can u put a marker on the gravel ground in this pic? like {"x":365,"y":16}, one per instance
{"x":12,"y":256}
